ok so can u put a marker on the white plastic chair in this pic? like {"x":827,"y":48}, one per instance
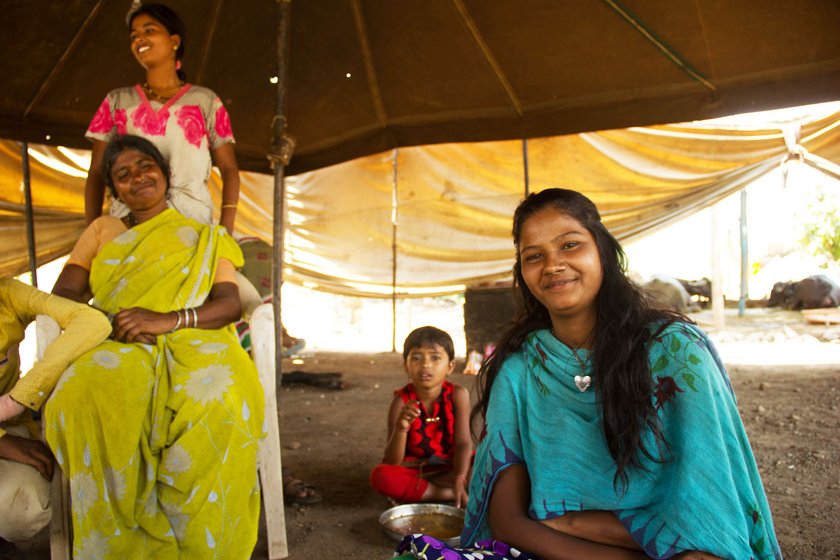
{"x":261,"y":319}
{"x":47,"y":330}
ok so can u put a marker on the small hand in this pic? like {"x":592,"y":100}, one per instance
{"x":140,"y":325}
{"x":28,"y":452}
{"x":459,"y":486}
{"x":9,"y":408}
{"x":409,"y":412}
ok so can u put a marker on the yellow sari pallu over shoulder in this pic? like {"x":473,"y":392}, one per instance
{"x":159,"y":442}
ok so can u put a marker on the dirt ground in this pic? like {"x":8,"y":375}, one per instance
{"x":791,"y":411}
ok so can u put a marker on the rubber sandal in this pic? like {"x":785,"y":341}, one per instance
{"x":294,"y":487}
{"x":296,"y":347}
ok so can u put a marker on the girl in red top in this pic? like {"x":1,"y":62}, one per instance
{"x":429,"y":450}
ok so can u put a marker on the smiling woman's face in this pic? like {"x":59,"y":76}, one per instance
{"x":560,"y":263}
{"x":151,"y":43}
{"x":138,"y":181}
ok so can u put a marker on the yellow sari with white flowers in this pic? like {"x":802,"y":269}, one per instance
{"x":159,"y":442}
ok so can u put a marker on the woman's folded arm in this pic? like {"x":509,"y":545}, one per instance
{"x":510,"y":523}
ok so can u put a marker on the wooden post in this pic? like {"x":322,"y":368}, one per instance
{"x":745,"y":264}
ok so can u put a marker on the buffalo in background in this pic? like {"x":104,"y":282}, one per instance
{"x":700,"y":291}
{"x":683,"y":296}
{"x":814,"y":292}
{"x":666,"y":292}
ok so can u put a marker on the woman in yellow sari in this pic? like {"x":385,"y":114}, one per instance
{"x":157,"y":430}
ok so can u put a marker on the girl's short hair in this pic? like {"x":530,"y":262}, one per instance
{"x":129,"y":142}
{"x":428,"y":336}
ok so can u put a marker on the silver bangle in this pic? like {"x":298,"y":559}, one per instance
{"x":195,"y":318}
{"x":178,"y":324}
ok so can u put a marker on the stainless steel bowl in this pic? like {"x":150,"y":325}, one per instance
{"x":436,"y":520}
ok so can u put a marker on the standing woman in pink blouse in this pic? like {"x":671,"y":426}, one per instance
{"x":187,"y":123}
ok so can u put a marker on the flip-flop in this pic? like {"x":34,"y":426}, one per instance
{"x":294,"y":487}
{"x":294,"y":348}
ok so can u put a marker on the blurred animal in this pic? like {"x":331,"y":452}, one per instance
{"x":809,"y":293}
{"x":666,"y":292}
{"x":699,"y":290}
{"x":781,"y":294}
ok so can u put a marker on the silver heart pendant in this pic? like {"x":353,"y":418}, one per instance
{"x":583,"y":383}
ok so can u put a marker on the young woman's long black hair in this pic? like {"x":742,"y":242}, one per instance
{"x":620,"y":342}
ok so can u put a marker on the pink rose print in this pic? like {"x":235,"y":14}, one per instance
{"x":120,"y":121}
{"x":223,"y":128}
{"x":191,"y":121}
{"x":102,"y":122}
{"x":144,"y":119}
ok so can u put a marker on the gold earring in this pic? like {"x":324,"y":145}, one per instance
{"x":174,"y":47}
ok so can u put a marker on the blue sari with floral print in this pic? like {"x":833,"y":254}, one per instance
{"x":706,"y":495}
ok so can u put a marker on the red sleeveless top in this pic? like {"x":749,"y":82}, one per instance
{"x":432,"y":435}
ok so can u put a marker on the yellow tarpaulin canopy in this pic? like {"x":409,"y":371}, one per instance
{"x":446,"y":209}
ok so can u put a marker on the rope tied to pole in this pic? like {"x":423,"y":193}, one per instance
{"x":282,"y":151}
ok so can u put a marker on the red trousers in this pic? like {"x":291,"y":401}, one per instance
{"x":403,"y":484}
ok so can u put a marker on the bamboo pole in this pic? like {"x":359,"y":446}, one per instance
{"x":30,"y":220}
{"x":525,"y":166}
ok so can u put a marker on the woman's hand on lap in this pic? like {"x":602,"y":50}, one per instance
{"x":141,"y":325}
{"x":596,"y":526}
{"x":28,"y":452}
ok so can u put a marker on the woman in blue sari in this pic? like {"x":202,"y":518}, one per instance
{"x":611,"y":429}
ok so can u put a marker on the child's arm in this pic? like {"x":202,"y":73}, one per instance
{"x":400,"y":417}
{"x":463,"y":445}
{"x":84,"y":328}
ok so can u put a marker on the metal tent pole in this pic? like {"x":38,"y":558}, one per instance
{"x":30,"y":221}
{"x":271,"y":473}
{"x":394,"y":210}
{"x":281,"y":151}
